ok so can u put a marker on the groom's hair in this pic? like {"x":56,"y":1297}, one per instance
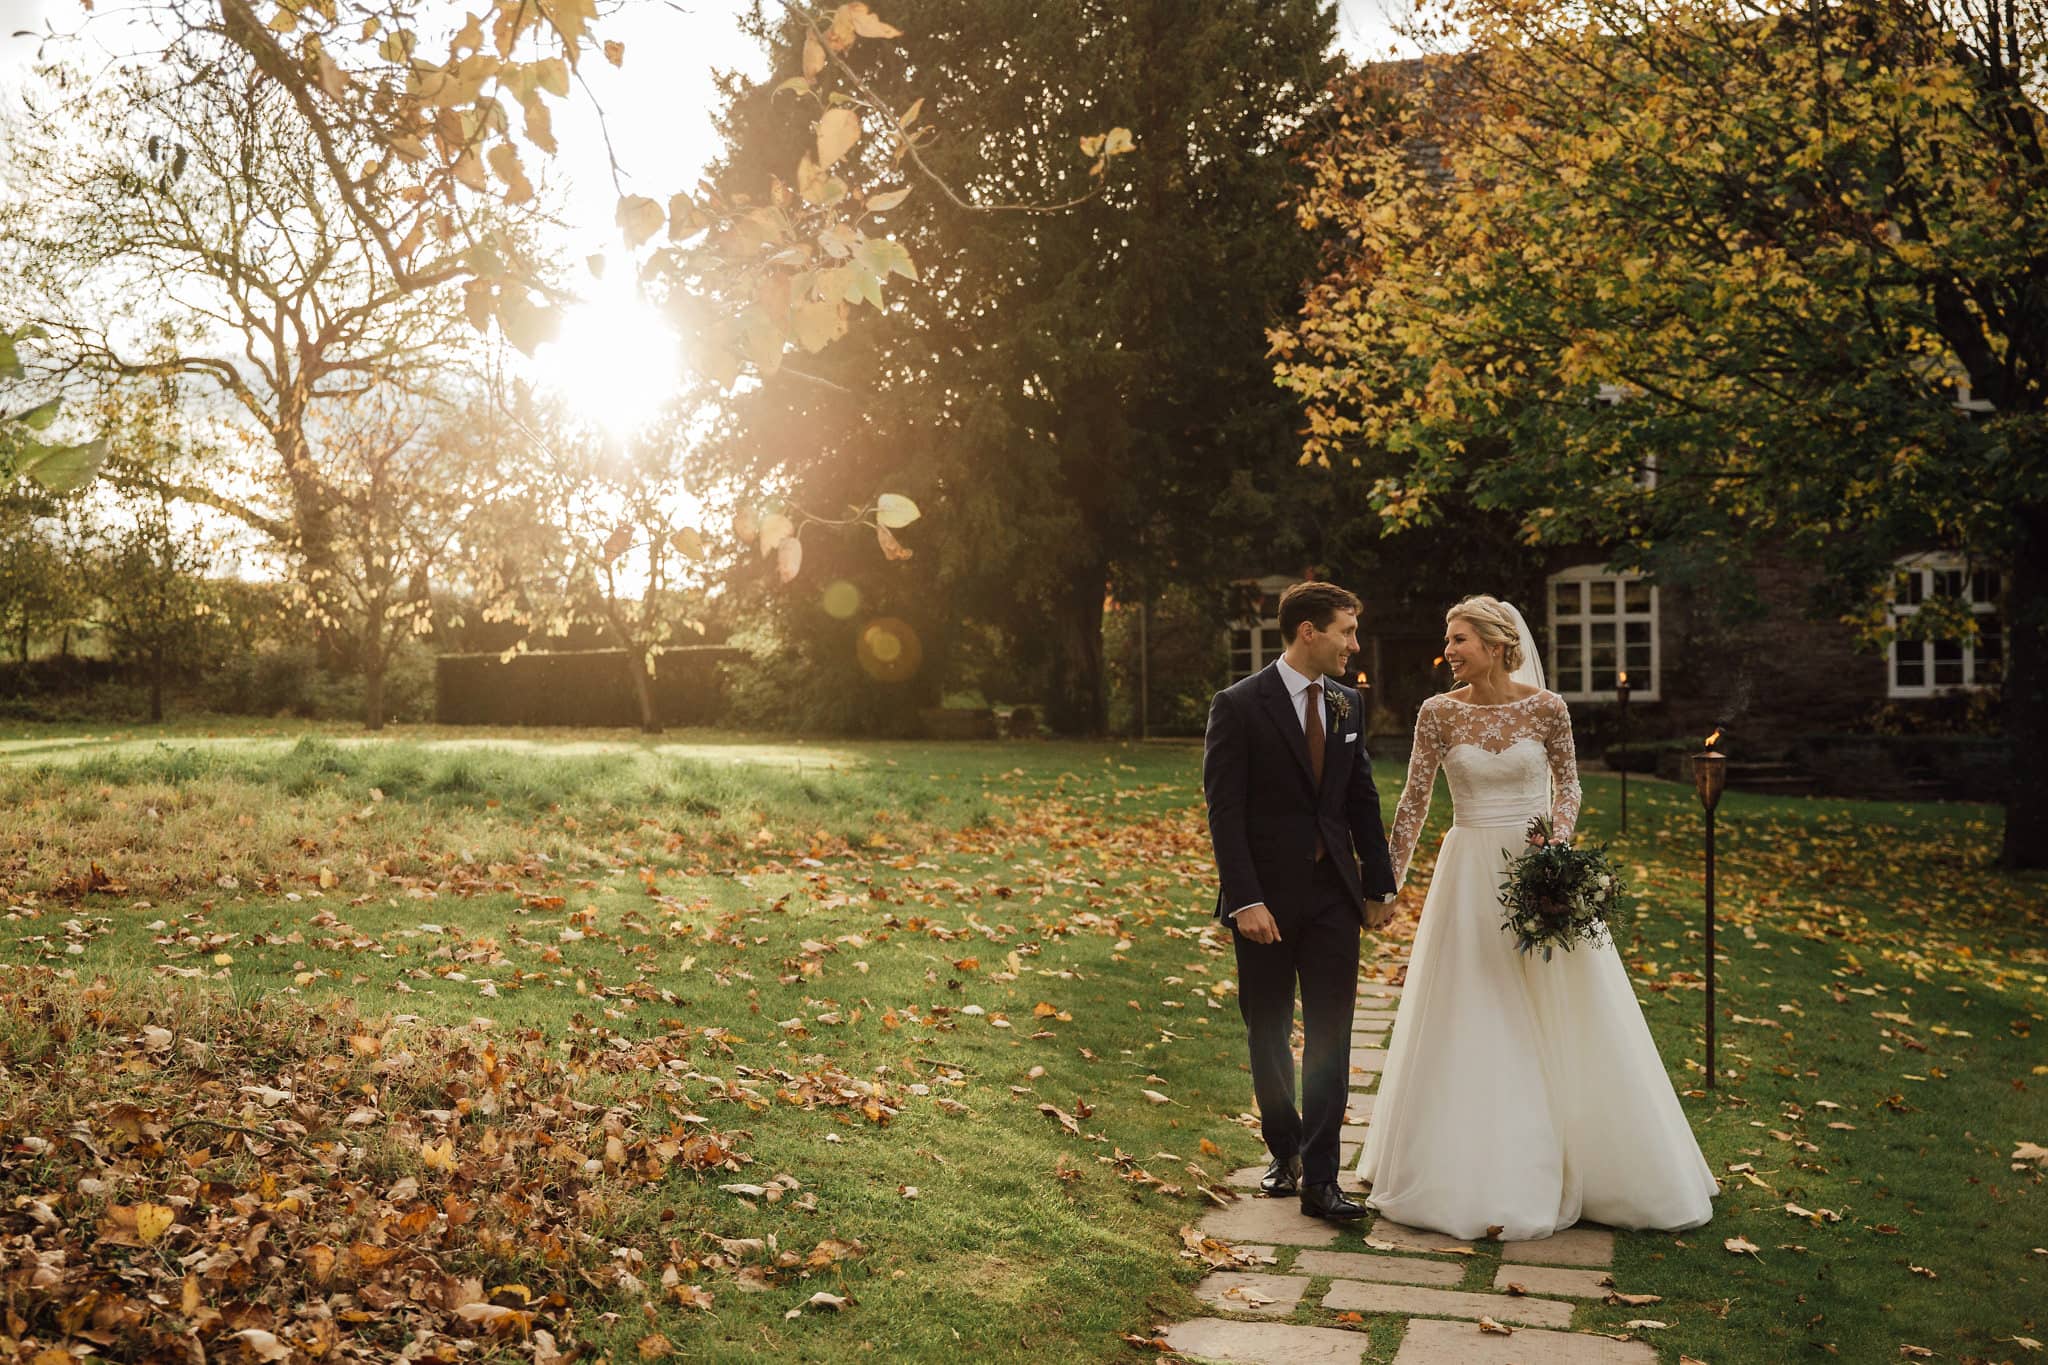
{"x":1316,"y":603}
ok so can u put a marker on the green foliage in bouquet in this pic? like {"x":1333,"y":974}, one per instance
{"x":1557,"y":896}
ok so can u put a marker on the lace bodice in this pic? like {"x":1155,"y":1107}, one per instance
{"x":1505,"y":763}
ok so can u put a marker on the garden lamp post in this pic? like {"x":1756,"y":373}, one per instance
{"x":1709,"y":778}
{"x":1621,"y":691}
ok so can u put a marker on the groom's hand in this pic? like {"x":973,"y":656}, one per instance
{"x":1256,"y":923}
{"x":1378,"y":914}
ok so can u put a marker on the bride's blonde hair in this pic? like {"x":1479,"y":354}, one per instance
{"x":1490,"y":621}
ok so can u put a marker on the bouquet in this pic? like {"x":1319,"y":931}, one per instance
{"x":1558,"y":896}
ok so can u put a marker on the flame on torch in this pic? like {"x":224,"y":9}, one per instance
{"x":1624,"y":678}
{"x":1714,"y":738}
{"x":1361,"y":678}
{"x":1439,"y":662}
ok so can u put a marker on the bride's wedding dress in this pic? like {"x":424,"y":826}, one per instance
{"x":1518,"y":1093}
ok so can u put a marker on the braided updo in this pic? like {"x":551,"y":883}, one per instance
{"x":1490,"y":620}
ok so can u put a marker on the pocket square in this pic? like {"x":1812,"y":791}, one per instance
{"x":1350,"y":737}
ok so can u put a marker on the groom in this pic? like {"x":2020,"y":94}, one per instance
{"x":1302,"y":857}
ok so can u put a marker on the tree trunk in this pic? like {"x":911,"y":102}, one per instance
{"x":643,"y":690}
{"x":156,"y":686}
{"x":373,"y":692}
{"x":373,"y":668}
{"x":2025,"y":691}
{"x":21,"y":645}
{"x":1079,"y":704}
{"x":312,"y":524}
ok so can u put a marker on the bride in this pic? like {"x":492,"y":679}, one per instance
{"x":1518,"y":1094}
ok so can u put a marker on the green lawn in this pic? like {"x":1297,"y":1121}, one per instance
{"x":864,"y":968}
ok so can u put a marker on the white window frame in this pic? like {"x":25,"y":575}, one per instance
{"x":1645,"y":684}
{"x":1924,"y":567}
{"x":1252,"y":631}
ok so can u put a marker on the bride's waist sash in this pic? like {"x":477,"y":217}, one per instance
{"x":1514,"y":814}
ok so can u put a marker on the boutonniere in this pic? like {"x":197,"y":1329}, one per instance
{"x":1340,"y":705}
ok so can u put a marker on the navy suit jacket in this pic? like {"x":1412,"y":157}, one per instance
{"x":1265,"y":809}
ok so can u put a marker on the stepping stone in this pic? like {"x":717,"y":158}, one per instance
{"x":1356,"y":1297}
{"x":1265,"y":1256}
{"x":1267,"y":1343}
{"x":1415,"y":1239}
{"x":1368,"y":1058}
{"x":1347,"y":1154}
{"x":1358,"y":1107}
{"x":1576,"y":1245}
{"x":1462,"y":1343}
{"x":1351,"y":1132}
{"x":1247,"y":1178}
{"x":1545,"y":1279}
{"x":1278,"y":1221}
{"x":1361,"y":1265}
{"x":1384,"y":1018}
{"x":1368,"y":1040}
{"x":1263,"y":1295}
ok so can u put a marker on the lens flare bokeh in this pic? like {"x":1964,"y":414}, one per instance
{"x":889,"y":650}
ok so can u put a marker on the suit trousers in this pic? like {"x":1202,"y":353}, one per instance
{"x":1318,"y":947}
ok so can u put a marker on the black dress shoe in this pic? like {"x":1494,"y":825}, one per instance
{"x":1282,"y":1178}
{"x":1325,"y":1200}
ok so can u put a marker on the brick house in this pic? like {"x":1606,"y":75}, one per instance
{"x":1805,"y":708}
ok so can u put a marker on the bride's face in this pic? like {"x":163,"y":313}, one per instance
{"x":1470,"y":657}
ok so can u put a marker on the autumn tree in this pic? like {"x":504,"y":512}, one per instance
{"x":1783,"y":232}
{"x":148,"y":577}
{"x":1069,"y":395}
{"x":406,"y":474}
{"x":40,"y":591}
{"x":587,"y":530}
{"x":169,"y":227}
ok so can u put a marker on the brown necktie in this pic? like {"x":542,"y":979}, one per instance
{"x":1312,"y":721}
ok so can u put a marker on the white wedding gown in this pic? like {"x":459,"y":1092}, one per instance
{"x":1518,"y":1093}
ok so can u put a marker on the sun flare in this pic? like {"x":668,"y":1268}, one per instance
{"x":616,"y":361}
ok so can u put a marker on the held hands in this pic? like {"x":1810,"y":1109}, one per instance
{"x":1379,"y":914}
{"x":1256,"y":923}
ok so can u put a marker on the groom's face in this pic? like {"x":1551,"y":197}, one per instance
{"x":1330,"y":646}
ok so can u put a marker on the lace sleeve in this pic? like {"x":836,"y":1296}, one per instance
{"x":1423,"y":760}
{"x":1564,"y":767}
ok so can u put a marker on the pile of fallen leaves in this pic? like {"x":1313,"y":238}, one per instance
{"x":188,"y":1181}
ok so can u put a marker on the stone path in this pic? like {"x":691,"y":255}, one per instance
{"x":1310,"y":1292}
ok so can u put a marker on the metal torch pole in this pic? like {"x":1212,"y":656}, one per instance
{"x":1623,"y":689}
{"x":1711,"y":1068}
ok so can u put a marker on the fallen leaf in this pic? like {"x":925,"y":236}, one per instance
{"x":1488,"y":1325}
{"x":153,"y":1221}
{"x":263,"y":1345}
{"x":1741,"y":1246}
